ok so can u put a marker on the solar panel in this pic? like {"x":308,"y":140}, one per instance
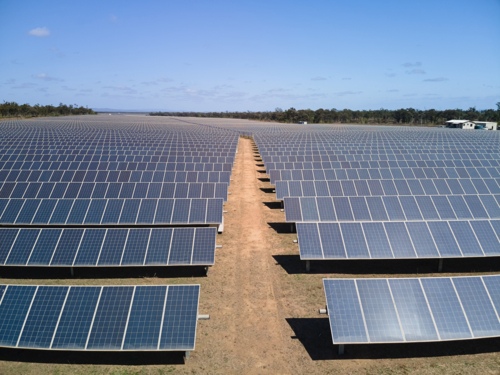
{"x":112,"y":211}
{"x":412,"y":309}
{"x":107,"y":247}
{"x":398,"y":240}
{"x":111,"y":318}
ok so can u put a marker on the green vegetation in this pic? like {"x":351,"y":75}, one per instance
{"x":409,"y":116}
{"x":13,"y":110}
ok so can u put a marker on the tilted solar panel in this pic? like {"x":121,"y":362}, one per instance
{"x":111,"y":318}
{"x":413,"y":309}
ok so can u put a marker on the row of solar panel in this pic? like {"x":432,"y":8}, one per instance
{"x":381,"y":174}
{"x":371,"y":158}
{"x":114,"y":176}
{"x":400,"y":240}
{"x":99,"y":317}
{"x":384,"y":164}
{"x":392,"y":154}
{"x":107,"y":247}
{"x":110,"y":211}
{"x":120,"y":159}
{"x":113,"y":190}
{"x":392,"y":208}
{"x":337,"y":188}
{"x":409,"y":310}
{"x":115,"y":166}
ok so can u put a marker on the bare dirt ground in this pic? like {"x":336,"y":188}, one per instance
{"x":263,"y":306}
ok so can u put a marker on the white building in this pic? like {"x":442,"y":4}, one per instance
{"x":460,"y":124}
{"x":486,"y":125}
{"x":303,"y":122}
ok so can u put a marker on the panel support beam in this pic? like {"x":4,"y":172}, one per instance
{"x":308,"y":265}
{"x":440,"y":265}
{"x":341,"y":349}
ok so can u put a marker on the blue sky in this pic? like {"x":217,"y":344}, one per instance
{"x":255,"y":55}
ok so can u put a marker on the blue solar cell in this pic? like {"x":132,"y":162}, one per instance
{"x":43,"y":316}
{"x":478,"y":308}
{"x":198,"y":211}
{"x":67,"y":247}
{"x":11,"y":211}
{"x":376,"y":238}
{"x":182,"y":246}
{"x":401,"y":244}
{"x":414,"y":315}
{"x":379,"y":311}
{"x":110,"y":318}
{"x":331,"y":240}
{"x":493,"y":286}
{"x":465,"y":238}
{"x":7,"y":238}
{"x":178,"y":330}
{"x":393,"y":208}
{"x":159,"y":246}
{"x":214,"y":211}
{"x":343,"y":209}
{"x":130,"y":211}
{"x":422,"y":240}
{"x":78,"y":211}
{"x":28,"y":211}
{"x":475,"y":206}
{"x":113,"y":246}
{"x":309,"y":241}
{"x":354,"y":240}
{"x":204,"y":246}
{"x":90,"y":247}
{"x":344,"y":310}
{"x":309,"y":209}
{"x":427,"y":207}
{"x":491,"y":206}
{"x":136,"y":247}
{"x":45,"y":246}
{"x":164,"y":211}
{"x":143,"y":328}
{"x":360,"y":209}
{"x":113,"y":211}
{"x":21,"y":249}
{"x":377,"y":209}
{"x":335,"y":188}
{"x":15,"y":305}
{"x":410,"y":208}
{"x":445,"y":306}
{"x":61,"y":211}
{"x":486,"y":236}
{"x":147,"y":211}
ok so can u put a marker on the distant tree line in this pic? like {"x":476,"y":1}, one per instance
{"x":12,"y":109}
{"x":408,"y":116}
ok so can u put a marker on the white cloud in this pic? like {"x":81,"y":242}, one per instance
{"x":390,"y":75}
{"x":40,"y":32}
{"x":164,"y":80}
{"x":346,"y":79}
{"x":318,"y":78}
{"x":46,"y":77}
{"x":415,"y":71}
{"x":439,"y":79}
{"x":409,"y":64}
{"x":113,"y":18}
{"x":343,"y":93}
{"x":25,"y":86}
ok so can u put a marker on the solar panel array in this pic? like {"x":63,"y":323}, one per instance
{"x":413,"y":310}
{"x":107,"y":247}
{"x":97,"y":192}
{"x":111,"y":318}
{"x":375,"y":192}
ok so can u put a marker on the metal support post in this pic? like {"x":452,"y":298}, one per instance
{"x":186,"y":354}
{"x":308,"y":265}
{"x":341,"y":349}
{"x":440,"y":265}
{"x":207,"y":270}
{"x":72,"y":271}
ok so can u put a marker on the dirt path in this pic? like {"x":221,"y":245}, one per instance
{"x":247,"y":323}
